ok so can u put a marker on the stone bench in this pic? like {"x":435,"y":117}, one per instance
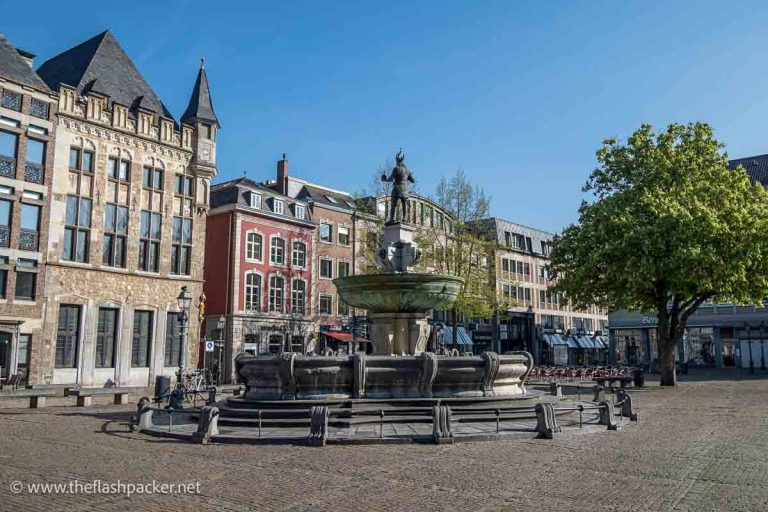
{"x":36,"y":396}
{"x":85,"y":395}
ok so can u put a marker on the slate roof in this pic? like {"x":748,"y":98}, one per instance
{"x":234,"y":192}
{"x":497,"y":227}
{"x":101,"y":65}
{"x":756,"y":167}
{"x":200,"y":104}
{"x":321,"y":196}
{"x":14,"y":68}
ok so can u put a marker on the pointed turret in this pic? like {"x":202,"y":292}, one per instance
{"x":200,"y":108}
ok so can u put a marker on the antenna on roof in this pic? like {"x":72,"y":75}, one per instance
{"x":202,"y":62}
{"x":245,"y":173}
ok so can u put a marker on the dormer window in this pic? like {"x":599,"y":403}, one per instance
{"x":279,"y":206}
{"x":333,"y":200}
{"x":300,"y":212}
{"x":255,"y":200}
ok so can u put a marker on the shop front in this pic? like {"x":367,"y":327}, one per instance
{"x":717,"y":335}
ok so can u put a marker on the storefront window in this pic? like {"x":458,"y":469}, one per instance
{"x":699,"y":346}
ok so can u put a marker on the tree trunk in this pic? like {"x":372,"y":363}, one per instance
{"x":668,"y":347}
{"x":455,"y":333}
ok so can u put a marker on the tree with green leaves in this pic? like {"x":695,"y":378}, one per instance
{"x":463,"y":250}
{"x":668,"y":227}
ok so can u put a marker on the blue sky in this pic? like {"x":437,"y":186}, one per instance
{"x":518,"y":94}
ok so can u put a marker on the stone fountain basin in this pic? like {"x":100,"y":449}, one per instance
{"x":411,"y":292}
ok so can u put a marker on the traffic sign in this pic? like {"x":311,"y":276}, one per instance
{"x":209,"y":346}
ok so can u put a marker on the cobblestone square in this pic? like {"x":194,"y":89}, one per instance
{"x":703,"y":446}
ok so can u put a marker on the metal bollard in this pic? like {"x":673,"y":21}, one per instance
{"x":170,"y":419}
{"x":259,"y":413}
{"x":381,"y":424}
{"x":498,"y":413}
{"x":212,"y":396}
{"x":581,"y":411}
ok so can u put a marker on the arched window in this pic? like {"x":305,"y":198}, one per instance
{"x":276,"y":293}
{"x":252,"y":292}
{"x":277,"y":251}
{"x":298,"y":296}
{"x":299,"y":254}
{"x":253,"y":243}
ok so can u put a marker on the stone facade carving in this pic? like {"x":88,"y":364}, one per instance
{"x":546,"y":420}
{"x":318,"y":426}
{"x":208,"y":425}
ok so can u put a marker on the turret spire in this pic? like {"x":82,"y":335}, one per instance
{"x":200,"y":106}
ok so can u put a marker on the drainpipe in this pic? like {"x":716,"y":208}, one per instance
{"x":227,"y":315}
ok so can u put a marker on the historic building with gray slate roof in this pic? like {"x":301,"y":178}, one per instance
{"x":129,"y":198}
{"x":27,"y":129}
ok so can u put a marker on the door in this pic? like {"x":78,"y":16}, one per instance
{"x":5,"y":354}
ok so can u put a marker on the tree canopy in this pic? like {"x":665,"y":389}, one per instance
{"x":668,"y":227}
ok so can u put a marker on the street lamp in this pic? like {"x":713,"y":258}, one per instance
{"x":185,"y":301}
{"x":221,"y":325}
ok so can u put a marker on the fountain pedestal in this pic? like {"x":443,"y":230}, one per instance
{"x":399,"y":333}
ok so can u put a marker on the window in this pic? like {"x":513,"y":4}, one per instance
{"x":300,"y":212}
{"x":299,"y":257}
{"x":277,"y":251}
{"x":325,"y":305}
{"x":115,"y":235}
{"x":29,"y":227}
{"x":343,"y":269}
{"x":38,"y":108}
{"x":326,"y":232}
{"x":67,"y":336}
{"x":252,"y":292}
{"x":106,"y":334}
{"x":5,"y":222}
{"x":149,"y":243}
{"x":276,"y":293}
{"x":33,"y":170}
{"x":298,"y":297}
{"x":279,"y":206}
{"x":255,"y":200}
{"x":342,"y":306}
{"x":3,"y":275}
{"x":332,"y":200}
{"x":181,"y":250}
{"x":22,"y":365}
{"x":142,"y":339}
{"x":77,"y":231}
{"x":326,"y":268}
{"x":173,"y":339}
{"x":26,"y":278}
{"x":505,"y":264}
{"x":253,"y":246}
{"x":8,"y":146}
{"x":11,"y":100}
{"x":343,"y":235}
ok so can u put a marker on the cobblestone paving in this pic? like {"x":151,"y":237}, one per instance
{"x":703,"y":446}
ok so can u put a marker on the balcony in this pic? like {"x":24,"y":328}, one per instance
{"x":33,"y":173}
{"x":28,"y":240}
{"x":5,"y":236}
{"x":7,"y":167}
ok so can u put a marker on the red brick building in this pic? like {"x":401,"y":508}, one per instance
{"x":259,"y":267}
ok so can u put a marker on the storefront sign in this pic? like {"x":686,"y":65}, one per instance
{"x":650,"y":320}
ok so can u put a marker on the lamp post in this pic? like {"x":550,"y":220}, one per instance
{"x":222,"y":323}
{"x":184,"y":300}
{"x":762,"y":344}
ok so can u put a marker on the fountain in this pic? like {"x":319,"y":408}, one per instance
{"x":398,"y":302}
{"x":400,"y":392}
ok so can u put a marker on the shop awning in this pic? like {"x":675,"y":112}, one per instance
{"x":345,"y":337}
{"x":601,"y":342}
{"x":553,"y":339}
{"x":462,"y":337}
{"x":586,"y":342}
{"x":571,"y":342}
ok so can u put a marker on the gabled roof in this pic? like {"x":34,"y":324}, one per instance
{"x":324,"y":196}
{"x":13,"y":67}
{"x":200,"y":106}
{"x":756,"y":167}
{"x":101,"y":65}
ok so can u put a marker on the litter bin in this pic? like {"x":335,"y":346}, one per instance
{"x":162,"y":387}
{"x":639,"y":378}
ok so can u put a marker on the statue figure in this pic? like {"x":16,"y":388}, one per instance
{"x":400,"y":176}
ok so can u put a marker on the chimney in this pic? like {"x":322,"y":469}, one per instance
{"x":282,"y":175}
{"x":28,"y":57}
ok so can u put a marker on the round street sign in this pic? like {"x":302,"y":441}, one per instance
{"x":209,"y":346}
